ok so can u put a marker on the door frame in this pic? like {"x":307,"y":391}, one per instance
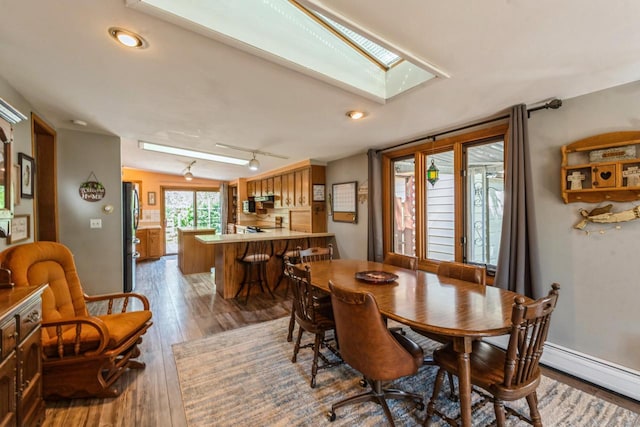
{"x":46,"y":172}
{"x":163,"y":219}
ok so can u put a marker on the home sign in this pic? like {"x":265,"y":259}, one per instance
{"x":92,"y":190}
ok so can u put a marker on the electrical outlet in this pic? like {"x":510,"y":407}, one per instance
{"x":95,"y":223}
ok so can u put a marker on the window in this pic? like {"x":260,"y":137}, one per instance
{"x":484,"y":202}
{"x":404,"y":208}
{"x":457,"y":218}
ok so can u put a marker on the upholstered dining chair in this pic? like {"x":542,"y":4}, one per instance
{"x":467,"y":272}
{"x":308,"y":255}
{"x":313,"y":315}
{"x":379,"y":354}
{"x":509,"y":374}
{"x":83,"y":355}
{"x":403,"y":261}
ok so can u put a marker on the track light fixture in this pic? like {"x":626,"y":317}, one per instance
{"x":254,"y":164}
{"x":187,"y":172}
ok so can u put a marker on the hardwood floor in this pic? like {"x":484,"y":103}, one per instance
{"x":187,"y":308}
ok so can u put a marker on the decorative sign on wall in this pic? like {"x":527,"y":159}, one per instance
{"x":92,"y":190}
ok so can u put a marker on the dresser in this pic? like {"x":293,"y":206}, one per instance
{"x":21,"y":402}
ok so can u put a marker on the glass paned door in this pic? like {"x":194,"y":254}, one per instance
{"x":189,"y":208}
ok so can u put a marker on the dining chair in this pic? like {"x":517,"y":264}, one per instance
{"x":510,"y":374}
{"x":291,"y":249}
{"x":254,"y":259}
{"x":467,"y":272}
{"x":455,"y":270}
{"x":377,"y":353}
{"x":403,"y":261}
{"x":313,"y":315}
{"x":317,"y":254}
{"x":303,"y":256}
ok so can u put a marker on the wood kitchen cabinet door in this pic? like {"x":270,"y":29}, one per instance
{"x":288,"y":190}
{"x":154,"y":243}
{"x":302,"y":178}
{"x":277,"y":192}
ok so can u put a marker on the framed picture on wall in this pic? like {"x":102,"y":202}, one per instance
{"x":20,"y":229}
{"x":151,"y":198}
{"x":27,"y":173}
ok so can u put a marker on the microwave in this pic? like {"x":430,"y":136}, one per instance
{"x":248,"y":206}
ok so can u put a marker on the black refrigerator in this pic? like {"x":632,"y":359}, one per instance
{"x":131,"y":213}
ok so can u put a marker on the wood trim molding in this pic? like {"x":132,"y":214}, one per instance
{"x":420,"y":153}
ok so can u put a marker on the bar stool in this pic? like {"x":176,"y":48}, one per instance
{"x":291,"y":250}
{"x":254,"y":259}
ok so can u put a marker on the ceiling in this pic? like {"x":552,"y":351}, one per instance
{"x":192,"y":91}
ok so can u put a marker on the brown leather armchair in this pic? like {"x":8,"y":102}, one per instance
{"x":83,"y":355}
{"x":379,"y":354}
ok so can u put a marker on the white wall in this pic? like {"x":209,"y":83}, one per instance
{"x":598,"y":310}
{"x":98,"y":252}
{"x":350,"y":238}
{"x":21,"y":144}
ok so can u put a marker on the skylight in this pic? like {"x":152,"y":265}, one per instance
{"x":371,"y":48}
{"x":298,"y":35}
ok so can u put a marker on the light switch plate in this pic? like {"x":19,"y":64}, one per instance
{"x":95,"y":223}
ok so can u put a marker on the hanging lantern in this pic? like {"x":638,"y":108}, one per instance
{"x":433,"y":174}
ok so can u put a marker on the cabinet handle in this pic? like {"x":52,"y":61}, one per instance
{"x":33,"y":317}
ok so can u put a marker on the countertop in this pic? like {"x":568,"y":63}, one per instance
{"x":268,"y":234}
{"x":194,"y":230}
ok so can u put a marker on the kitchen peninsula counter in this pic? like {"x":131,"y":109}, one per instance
{"x":228,"y":247}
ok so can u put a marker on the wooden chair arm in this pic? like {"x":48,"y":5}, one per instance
{"x":112,"y":297}
{"x":93,"y":322}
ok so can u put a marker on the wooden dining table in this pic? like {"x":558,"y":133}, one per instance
{"x":463,"y":311}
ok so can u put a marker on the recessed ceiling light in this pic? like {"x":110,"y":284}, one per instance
{"x":127,"y":38}
{"x":355,"y":115}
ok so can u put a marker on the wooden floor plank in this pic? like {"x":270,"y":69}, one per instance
{"x":187,"y":308}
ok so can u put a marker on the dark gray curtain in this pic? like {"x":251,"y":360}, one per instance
{"x":374,"y":241}
{"x":514,"y":269}
{"x":224,"y":208}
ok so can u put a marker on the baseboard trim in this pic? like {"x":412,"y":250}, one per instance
{"x":617,"y":378}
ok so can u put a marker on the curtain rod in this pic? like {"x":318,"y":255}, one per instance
{"x":553,"y":104}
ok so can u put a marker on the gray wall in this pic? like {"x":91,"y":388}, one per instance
{"x":597,"y":311}
{"x":98,"y":252}
{"x":353,"y":168}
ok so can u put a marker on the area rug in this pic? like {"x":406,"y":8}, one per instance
{"x":245,"y":377}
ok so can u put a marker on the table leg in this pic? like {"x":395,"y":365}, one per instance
{"x":463,"y":348}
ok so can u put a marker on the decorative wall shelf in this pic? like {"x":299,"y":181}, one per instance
{"x":603,"y":167}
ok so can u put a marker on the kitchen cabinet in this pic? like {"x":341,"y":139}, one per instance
{"x":21,"y":365}
{"x":302,"y":186}
{"x":601,"y":168}
{"x":288,"y":190}
{"x":150,"y":245}
{"x":267,"y":187}
{"x":193,"y":256}
{"x":277,"y":192}
{"x":251,"y":188}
